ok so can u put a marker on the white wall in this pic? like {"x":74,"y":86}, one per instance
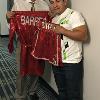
{"x":91,"y":11}
{"x":3,"y":22}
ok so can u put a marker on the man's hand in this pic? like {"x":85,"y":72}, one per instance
{"x":9,"y":14}
{"x":57,"y":28}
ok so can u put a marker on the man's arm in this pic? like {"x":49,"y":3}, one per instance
{"x":79,"y":33}
{"x":9,"y":13}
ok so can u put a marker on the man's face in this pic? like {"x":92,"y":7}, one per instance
{"x":58,"y":6}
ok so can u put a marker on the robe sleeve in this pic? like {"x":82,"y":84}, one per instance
{"x":11,"y":34}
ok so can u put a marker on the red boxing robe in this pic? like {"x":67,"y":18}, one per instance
{"x":28,"y":26}
{"x":48,"y":46}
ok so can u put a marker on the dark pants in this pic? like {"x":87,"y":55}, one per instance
{"x":69,"y":79}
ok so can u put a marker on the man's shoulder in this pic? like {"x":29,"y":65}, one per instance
{"x":43,"y":1}
{"x":19,"y":1}
{"x":73,"y":11}
{"x":42,"y":5}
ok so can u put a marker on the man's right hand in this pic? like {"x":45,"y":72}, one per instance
{"x":9,"y":14}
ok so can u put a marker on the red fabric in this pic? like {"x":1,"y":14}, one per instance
{"x":48,"y":47}
{"x":28,"y":26}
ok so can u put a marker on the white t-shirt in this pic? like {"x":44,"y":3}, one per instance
{"x":24,"y":5}
{"x":71,"y":50}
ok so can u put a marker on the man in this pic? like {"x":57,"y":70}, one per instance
{"x":72,"y":28}
{"x":22,"y":86}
